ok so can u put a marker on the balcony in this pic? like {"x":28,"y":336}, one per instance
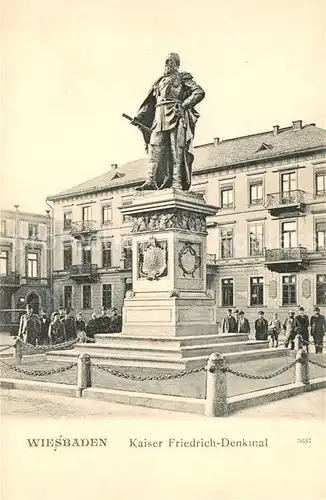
{"x":83,"y":230}
{"x":286,"y":260}
{"x":83,"y":272}
{"x":289,"y":202}
{"x":27,"y":280}
{"x":10,"y":280}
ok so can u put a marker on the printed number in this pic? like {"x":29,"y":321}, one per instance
{"x":304,"y":440}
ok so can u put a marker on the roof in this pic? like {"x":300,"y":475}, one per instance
{"x":249,"y":148}
{"x":11,"y":214}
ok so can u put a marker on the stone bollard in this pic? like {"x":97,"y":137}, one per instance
{"x":302,"y":367}
{"x":18,"y":351}
{"x":216,"y":389}
{"x":298,"y":342}
{"x":84,"y":373}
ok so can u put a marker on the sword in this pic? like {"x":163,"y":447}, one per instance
{"x":137,"y":123}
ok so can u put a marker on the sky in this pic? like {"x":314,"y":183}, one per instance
{"x":70,"y":68}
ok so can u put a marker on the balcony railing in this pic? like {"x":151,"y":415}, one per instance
{"x":286,"y":201}
{"x":83,"y":271}
{"x":286,"y":259}
{"x":83,"y":227}
{"x":11,"y":279}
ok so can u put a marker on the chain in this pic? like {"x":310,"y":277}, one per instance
{"x":139,"y":378}
{"x":251,"y":376}
{"x":45,"y":348}
{"x":40,"y":373}
{"x":317,"y":364}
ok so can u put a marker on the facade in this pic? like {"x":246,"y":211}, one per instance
{"x":25,"y":264}
{"x":266,"y":245}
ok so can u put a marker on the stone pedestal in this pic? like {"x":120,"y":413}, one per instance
{"x":169,"y":296}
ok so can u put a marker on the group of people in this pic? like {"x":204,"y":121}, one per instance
{"x":294,"y":324}
{"x":63,"y":326}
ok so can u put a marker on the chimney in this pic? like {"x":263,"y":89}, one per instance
{"x":216,"y":141}
{"x":114,"y":166}
{"x":276,"y":129}
{"x":297,"y":125}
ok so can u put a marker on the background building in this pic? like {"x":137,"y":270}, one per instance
{"x":25,"y":257}
{"x":267,"y":244}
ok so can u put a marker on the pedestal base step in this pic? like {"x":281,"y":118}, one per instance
{"x":164,"y":363}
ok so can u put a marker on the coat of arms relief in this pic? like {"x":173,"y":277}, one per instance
{"x":152,"y":259}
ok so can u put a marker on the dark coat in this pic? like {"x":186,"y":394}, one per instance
{"x":92,"y":327}
{"x":45,"y":323}
{"x":116,"y":324}
{"x":29,"y":328}
{"x":243,"y":327}
{"x":104,"y":324}
{"x":57,"y":332}
{"x":229,"y":324}
{"x":80,"y":325}
{"x":301,"y":326}
{"x":318,"y":328}
{"x":70,"y":327}
{"x":261,"y":329}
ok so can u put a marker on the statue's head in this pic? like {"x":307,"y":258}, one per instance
{"x":172,"y":63}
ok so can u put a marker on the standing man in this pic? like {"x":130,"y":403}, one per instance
{"x":92,"y":327}
{"x":116,"y":321}
{"x":243,"y":324}
{"x":45,"y":323}
{"x":229,"y":323}
{"x":301,"y":326}
{"x":104,"y":321}
{"x":289,"y":328}
{"x":261,"y":327}
{"x":318,"y":329}
{"x":274,"y":329}
{"x":29,"y":327}
{"x":168,"y":111}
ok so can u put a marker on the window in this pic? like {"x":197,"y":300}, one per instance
{"x":289,"y":234}
{"x":226,"y":243}
{"x":227,"y":292}
{"x":107,"y":296}
{"x":32,"y":231}
{"x":127,"y":253}
{"x":256,"y":193}
{"x":321,"y":183}
{"x":67,"y":220}
{"x":86,"y":213}
{"x":67,"y":256}
{"x":4,"y":263}
{"x":288,"y":182}
{"x":321,"y":235}
{"x":32,"y":265}
{"x":257,"y":291}
{"x":256,"y":240}
{"x":321,"y":289}
{"x":87,"y":296}
{"x":227,"y":197}
{"x":106,"y":214}
{"x":3,"y":229}
{"x":86,"y":254}
{"x":125,"y":203}
{"x":106,"y":254}
{"x":289,"y":290}
{"x":67,"y":294}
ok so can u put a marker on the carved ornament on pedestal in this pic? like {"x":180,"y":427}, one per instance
{"x":188,"y":260}
{"x":170,"y":219}
{"x":152,"y":259}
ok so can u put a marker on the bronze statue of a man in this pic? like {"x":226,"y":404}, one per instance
{"x":170,"y":117}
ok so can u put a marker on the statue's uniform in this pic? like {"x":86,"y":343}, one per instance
{"x":169,"y":112}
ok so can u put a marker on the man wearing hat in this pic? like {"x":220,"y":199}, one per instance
{"x":261,"y":327}
{"x":29,"y":327}
{"x":104,"y":321}
{"x":289,"y":328}
{"x":116,"y":321}
{"x":318,"y":329}
{"x":243,"y":324}
{"x":301,"y":326}
{"x":229,"y":323}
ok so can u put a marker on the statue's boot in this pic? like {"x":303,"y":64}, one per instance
{"x":150,"y":183}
